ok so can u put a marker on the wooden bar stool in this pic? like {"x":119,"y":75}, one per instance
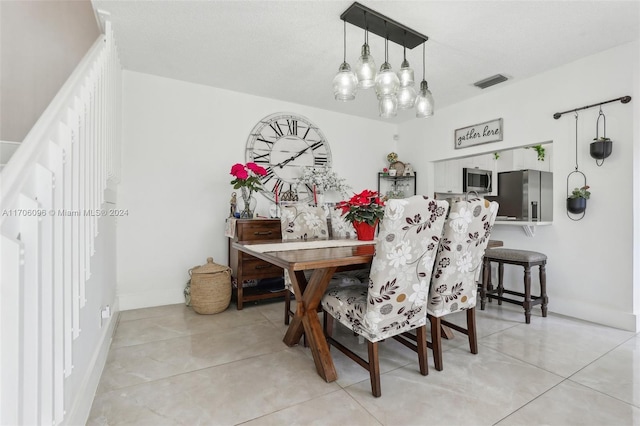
{"x":523,"y":258}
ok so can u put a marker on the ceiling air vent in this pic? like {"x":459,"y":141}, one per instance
{"x":488,"y":82}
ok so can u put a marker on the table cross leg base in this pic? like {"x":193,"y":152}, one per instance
{"x":306,"y":318}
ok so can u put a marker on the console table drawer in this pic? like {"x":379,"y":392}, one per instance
{"x":260,"y":230}
{"x":253,"y":268}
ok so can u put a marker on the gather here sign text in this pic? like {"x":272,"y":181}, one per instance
{"x":490,"y":131}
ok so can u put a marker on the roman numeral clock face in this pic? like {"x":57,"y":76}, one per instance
{"x":284,"y":144}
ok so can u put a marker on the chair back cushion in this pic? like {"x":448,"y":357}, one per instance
{"x":341,"y":228}
{"x":396,"y":298}
{"x":459,"y":258}
{"x":303,"y":222}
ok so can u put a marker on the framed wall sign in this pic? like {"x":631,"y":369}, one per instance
{"x":489,"y":131}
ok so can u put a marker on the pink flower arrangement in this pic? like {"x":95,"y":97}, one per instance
{"x":366,"y":206}
{"x":247,"y":176}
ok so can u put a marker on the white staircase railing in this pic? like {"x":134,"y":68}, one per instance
{"x":52,"y":192}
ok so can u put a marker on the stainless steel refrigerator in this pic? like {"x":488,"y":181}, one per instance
{"x":525,"y":195}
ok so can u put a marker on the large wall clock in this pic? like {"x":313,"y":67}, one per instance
{"x":284,"y":144}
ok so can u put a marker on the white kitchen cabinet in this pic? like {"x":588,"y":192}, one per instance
{"x":454,"y":175}
{"x":439,"y":179}
{"x":505,"y":162}
{"x":525,"y":158}
{"x":448,"y":176}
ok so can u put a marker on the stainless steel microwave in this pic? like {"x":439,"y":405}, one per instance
{"x":477,"y":180}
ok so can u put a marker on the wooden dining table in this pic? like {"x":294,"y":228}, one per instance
{"x":323,"y":258}
{"x":324,"y":262}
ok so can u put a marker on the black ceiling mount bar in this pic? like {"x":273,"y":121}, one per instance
{"x":623,"y":99}
{"x":368,"y":19}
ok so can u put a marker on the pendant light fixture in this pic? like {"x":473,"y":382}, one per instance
{"x":424,"y":100}
{"x":366,"y":66}
{"x":345,"y":83}
{"x":393,"y":90}
{"x":407,"y":90}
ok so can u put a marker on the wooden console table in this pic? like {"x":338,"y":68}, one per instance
{"x":247,"y":267}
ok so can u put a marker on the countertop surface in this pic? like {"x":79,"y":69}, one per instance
{"x":503,"y":221}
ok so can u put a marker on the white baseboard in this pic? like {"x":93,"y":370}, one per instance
{"x":81,"y":408}
{"x":597,"y":314}
{"x":163,"y":297}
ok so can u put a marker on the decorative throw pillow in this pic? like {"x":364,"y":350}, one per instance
{"x":340,"y":227}
{"x":303,"y":222}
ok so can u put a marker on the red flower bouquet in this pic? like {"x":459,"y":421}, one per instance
{"x":247,"y":176}
{"x":247,"y":179}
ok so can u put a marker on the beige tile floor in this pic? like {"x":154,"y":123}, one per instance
{"x":171,"y":366}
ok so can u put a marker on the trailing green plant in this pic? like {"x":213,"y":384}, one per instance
{"x":496,"y":155}
{"x":539,"y":150}
{"x":581,"y":193}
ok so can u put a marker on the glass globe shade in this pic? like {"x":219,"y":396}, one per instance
{"x":366,"y":69}
{"x":424,"y":101}
{"x":345,"y":83}
{"x":405,"y":75}
{"x":387,"y":82}
{"x":388,"y":106}
{"x":406,"y":97}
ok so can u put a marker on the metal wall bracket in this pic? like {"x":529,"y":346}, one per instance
{"x":529,"y":230}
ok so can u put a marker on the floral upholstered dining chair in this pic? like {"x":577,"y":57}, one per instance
{"x":300,"y":221}
{"x":457,"y":269}
{"x":305,"y":222}
{"x":341,"y":228}
{"x":395,"y":300}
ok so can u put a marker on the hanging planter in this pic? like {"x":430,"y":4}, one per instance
{"x":577,"y":199}
{"x":576,"y":205}
{"x":602,"y":146}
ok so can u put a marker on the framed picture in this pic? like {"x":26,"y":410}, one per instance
{"x":489,"y":131}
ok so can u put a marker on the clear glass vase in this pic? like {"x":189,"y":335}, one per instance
{"x":249,"y":202}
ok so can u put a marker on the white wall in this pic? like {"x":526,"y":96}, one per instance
{"x":41,"y":44}
{"x":590,"y":267}
{"x":179,"y":143}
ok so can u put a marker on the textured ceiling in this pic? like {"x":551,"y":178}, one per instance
{"x":290,"y":50}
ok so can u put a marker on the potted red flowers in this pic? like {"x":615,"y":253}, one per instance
{"x":247,"y":179}
{"x":363,"y":210}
